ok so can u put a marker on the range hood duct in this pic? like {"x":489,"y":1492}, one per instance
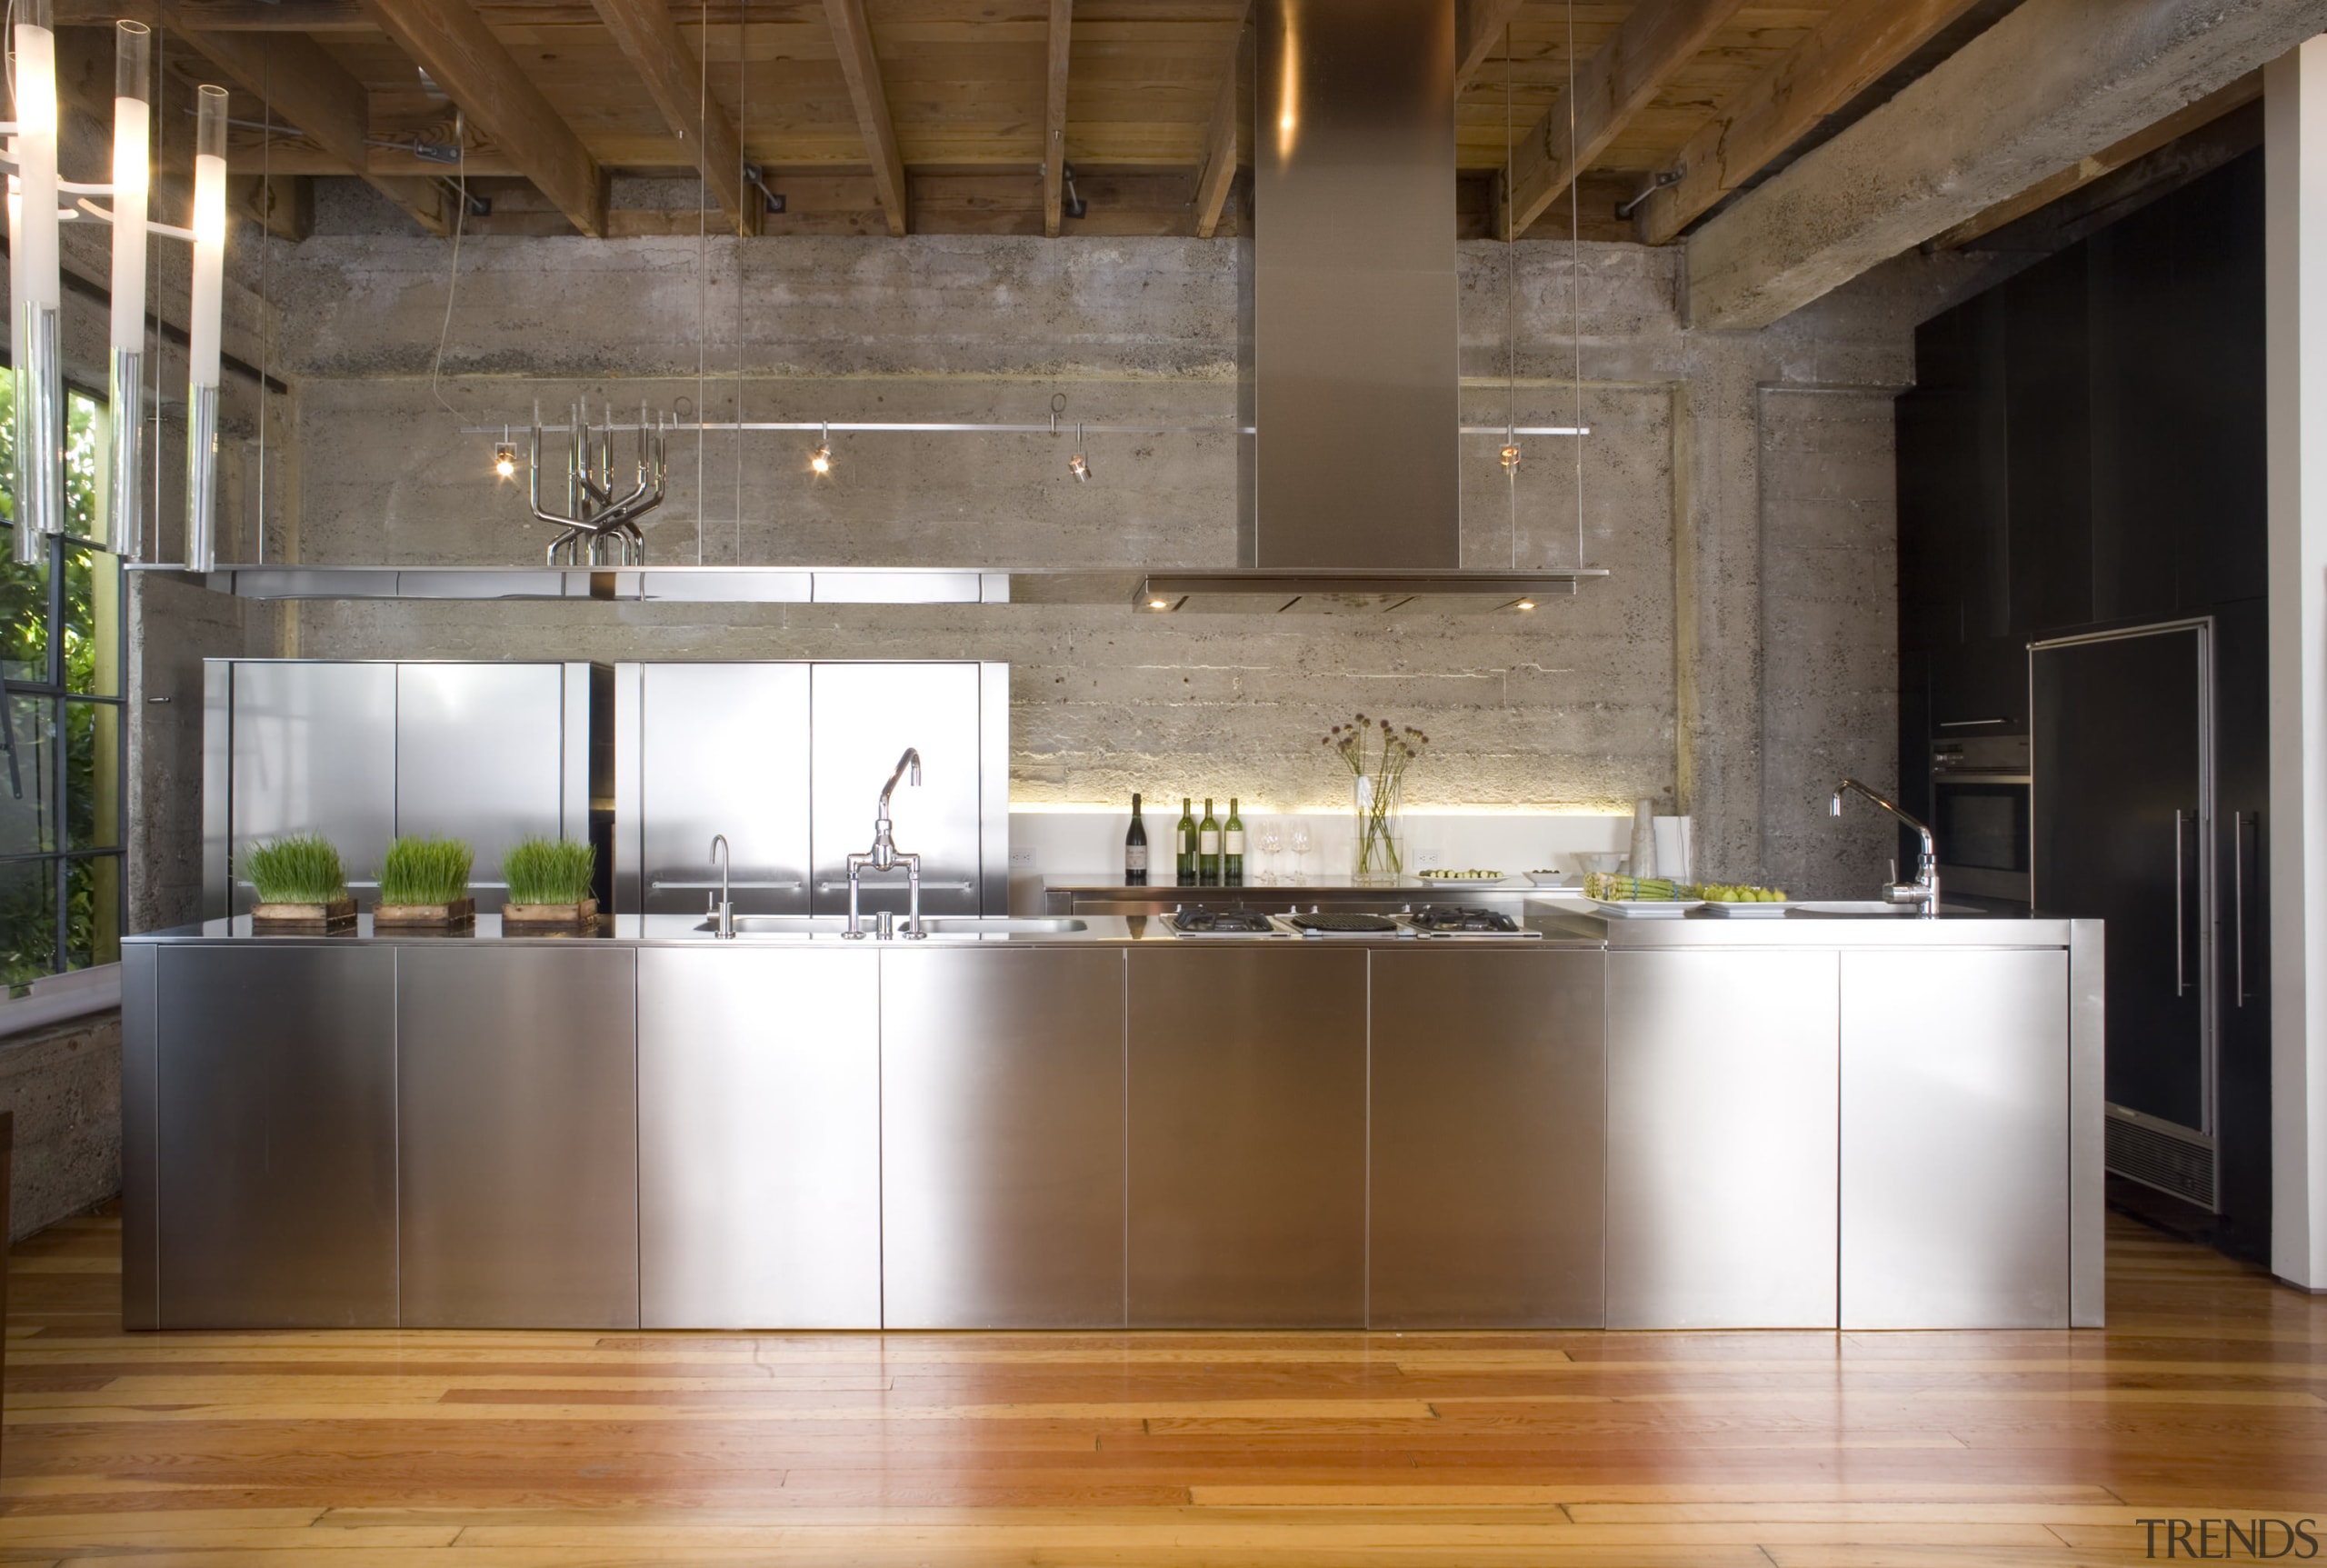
{"x":1347,"y":330}
{"x":1348,"y":463}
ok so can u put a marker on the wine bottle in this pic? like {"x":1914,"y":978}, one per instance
{"x":1187,"y":849}
{"x":1208,"y":849}
{"x":1232,"y":848}
{"x":1135,"y":849}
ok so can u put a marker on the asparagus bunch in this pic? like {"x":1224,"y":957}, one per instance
{"x":1613,"y":888}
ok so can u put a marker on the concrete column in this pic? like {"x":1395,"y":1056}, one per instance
{"x":2295,"y":150}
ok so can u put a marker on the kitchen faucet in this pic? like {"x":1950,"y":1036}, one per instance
{"x":885,"y":856}
{"x":1923,"y":891}
{"x":723,"y":913}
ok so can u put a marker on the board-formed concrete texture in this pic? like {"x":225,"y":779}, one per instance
{"x":64,"y":1084}
{"x":2051,"y":83}
{"x":1652,"y":683}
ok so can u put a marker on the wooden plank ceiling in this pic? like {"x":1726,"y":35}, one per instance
{"x":893,"y":116}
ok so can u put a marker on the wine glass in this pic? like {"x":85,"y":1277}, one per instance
{"x":1300,"y":842}
{"x":1272,"y":841}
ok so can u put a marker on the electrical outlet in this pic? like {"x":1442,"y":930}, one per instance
{"x":1022,"y":860}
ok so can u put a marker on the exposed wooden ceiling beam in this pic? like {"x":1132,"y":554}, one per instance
{"x":2041,"y":88}
{"x":1856,"y":44}
{"x":225,"y":15}
{"x":1478,"y":28}
{"x":853,"y":39}
{"x":2108,"y":161}
{"x":312,"y":91}
{"x":674,"y":80}
{"x":1656,"y":38}
{"x":1220,"y":140}
{"x":448,"y":40}
{"x":1054,"y":116}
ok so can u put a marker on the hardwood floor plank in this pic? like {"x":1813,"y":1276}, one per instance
{"x":410,"y":1449}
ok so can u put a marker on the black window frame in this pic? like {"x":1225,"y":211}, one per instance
{"x":53,"y":694}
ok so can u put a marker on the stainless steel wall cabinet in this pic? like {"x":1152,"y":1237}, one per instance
{"x":1488,"y":1087}
{"x":1723,"y":1094}
{"x":363,"y":752}
{"x":518,"y":1121}
{"x":706,"y":749}
{"x":278,"y":1158}
{"x":788,"y":760}
{"x":1247,"y":1138}
{"x":759,"y":1128}
{"x":1955,"y":1139}
{"x":1002,"y":1138}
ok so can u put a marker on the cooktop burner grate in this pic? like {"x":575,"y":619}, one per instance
{"x":1221,"y":922}
{"x":1344,"y":925}
{"x":1462,"y":917}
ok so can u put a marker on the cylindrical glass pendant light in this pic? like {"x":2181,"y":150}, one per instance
{"x":201,"y":352}
{"x":32,"y":253}
{"x":123,"y":523}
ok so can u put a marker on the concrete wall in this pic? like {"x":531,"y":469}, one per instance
{"x":64,"y":1084}
{"x":1726,"y":510}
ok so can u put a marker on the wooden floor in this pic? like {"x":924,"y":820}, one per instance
{"x":2207,"y":1396}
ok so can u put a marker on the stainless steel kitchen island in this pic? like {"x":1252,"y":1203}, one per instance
{"x":1794,"y":1123}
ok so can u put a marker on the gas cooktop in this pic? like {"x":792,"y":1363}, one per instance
{"x":1317,"y":923}
{"x":1220,"y":922}
{"x":1466,"y":920}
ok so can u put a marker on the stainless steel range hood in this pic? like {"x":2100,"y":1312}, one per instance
{"x":1349,"y":490}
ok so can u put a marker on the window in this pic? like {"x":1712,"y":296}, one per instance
{"x":62,"y":652}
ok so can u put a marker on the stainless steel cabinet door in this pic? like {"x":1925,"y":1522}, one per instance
{"x":1246,"y":1100}
{"x":517,"y":1129}
{"x":275,"y":1118}
{"x":712,"y":749}
{"x":1723,"y":1070}
{"x":482,"y":754}
{"x":759,"y":1118}
{"x":313,"y":750}
{"x":864,"y":716}
{"x":1955,"y":1140}
{"x":1001,"y":1119}
{"x":1487,"y":1137}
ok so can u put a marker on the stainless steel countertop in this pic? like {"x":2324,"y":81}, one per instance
{"x":1564,"y":925}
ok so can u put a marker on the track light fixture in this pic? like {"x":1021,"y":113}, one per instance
{"x":820,"y":461}
{"x":1078,"y":465}
{"x":1511,"y":458}
{"x":504,"y":461}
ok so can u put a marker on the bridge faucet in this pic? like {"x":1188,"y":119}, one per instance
{"x":885,"y":855}
{"x":1923,"y":891}
{"x":723,"y":913}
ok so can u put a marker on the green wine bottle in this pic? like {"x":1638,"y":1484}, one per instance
{"x":1208,"y":848}
{"x":1232,"y":848}
{"x":1186,"y":850}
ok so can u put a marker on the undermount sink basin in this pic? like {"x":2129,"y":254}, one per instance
{"x":934,"y":925}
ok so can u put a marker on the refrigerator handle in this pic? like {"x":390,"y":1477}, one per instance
{"x":2238,"y":907}
{"x":2180,"y":975}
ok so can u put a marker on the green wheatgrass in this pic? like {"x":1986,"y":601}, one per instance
{"x":426,"y":871}
{"x":299,"y":868}
{"x":548,"y":871}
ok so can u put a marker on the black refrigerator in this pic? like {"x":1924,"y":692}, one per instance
{"x":2123,"y":814}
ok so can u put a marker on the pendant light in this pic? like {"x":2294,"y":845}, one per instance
{"x":202,"y":351}
{"x":34,"y":287}
{"x":124,"y":508}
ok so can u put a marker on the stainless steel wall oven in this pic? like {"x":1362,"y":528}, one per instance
{"x":1980,"y":814}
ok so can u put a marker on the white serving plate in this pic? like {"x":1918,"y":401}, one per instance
{"x":1749,"y":911}
{"x":1550,"y":879}
{"x":1646,"y":909}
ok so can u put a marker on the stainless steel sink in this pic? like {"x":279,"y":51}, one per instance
{"x":935,"y":924}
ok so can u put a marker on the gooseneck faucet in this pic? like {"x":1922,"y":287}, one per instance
{"x":885,"y":855}
{"x":1923,"y":891}
{"x":723,"y":913}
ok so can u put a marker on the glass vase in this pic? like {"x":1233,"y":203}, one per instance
{"x":1381,"y":859}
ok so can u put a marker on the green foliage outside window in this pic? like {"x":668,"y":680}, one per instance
{"x":57,"y":651}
